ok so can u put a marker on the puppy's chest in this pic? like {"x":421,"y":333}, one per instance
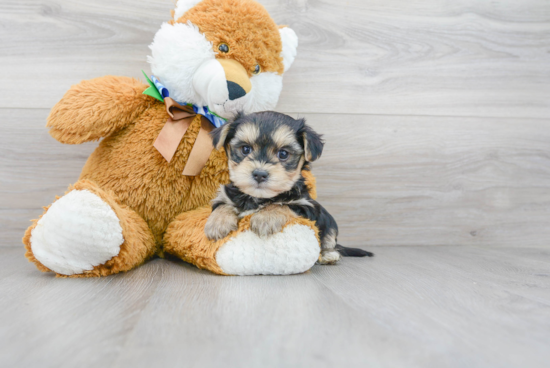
{"x":247,"y":205}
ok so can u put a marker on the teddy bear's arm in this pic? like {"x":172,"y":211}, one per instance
{"x":96,"y":108}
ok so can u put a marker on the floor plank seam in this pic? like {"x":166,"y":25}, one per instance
{"x":359,"y":114}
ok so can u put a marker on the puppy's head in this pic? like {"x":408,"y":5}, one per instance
{"x":266,"y":151}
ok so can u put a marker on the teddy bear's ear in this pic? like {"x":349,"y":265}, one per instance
{"x":182,"y":7}
{"x":290,"y":44}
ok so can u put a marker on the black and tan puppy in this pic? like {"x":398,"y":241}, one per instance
{"x":267,"y":152}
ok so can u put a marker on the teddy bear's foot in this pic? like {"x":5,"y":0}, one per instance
{"x":293,"y":250}
{"x":78,"y":232}
{"x":83,"y":234}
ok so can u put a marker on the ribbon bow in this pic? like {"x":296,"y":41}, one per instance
{"x":169,"y":138}
{"x":180,"y":118}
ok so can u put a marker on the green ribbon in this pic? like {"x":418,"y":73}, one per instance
{"x":152,"y":90}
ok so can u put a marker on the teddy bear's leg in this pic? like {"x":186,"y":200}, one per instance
{"x":87,"y":233}
{"x":293,"y":250}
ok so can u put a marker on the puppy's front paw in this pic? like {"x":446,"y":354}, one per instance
{"x":329,"y":257}
{"x":220,"y":223}
{"x":270,"y":220}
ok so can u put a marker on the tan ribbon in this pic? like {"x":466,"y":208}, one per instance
{"x":169,"y":138}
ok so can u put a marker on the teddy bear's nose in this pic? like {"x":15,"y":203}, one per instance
{"x":235,"y":91}
{"x":238,"y":81}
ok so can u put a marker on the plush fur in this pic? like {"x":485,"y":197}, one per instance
{"x":182,"y":7}
{"x":177,"y":52}
{"x":156,"y":206}
{"x":290,"y":44}
{"x":139,"y":243}
{"x":185,"y":54}
{"x":92,"y":234}
{"x":97,"y":108}
{"x":232,"y":22}
{"x":243,"y":253}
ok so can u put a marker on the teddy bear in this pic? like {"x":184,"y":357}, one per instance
{"x":145,"y":191}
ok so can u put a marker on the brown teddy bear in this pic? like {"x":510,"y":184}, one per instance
{"x":146,"y":189}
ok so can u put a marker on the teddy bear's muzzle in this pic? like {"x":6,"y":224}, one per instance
{"x":220,"y":80}
{"x":238,"y":83}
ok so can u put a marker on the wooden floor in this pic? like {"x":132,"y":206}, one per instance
{"x":448,"y":306}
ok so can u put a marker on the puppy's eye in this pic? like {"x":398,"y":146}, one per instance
{"x":246,"y":150}
{"x":224,"y":48}
{"x":257,"y":69}
{"x":282,"y":155}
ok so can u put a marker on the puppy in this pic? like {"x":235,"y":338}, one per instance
{"x":267,"y":152}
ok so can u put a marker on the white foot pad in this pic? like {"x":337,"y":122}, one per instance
{"x":78,"y":232}
{"x":294,"y":250}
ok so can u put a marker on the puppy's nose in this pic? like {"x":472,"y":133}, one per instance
{"x":260,"y":175}
{"x":235,"y":91}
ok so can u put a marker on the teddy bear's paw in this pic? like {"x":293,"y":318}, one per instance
{"x":79,"y":231}
{"x":329,"y":257}
{"x":293,"y":250}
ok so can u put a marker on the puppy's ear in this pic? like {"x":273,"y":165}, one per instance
{"x":219,"y":135}
{"x":313,"y":142}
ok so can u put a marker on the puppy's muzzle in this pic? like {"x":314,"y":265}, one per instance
{"x":260,"y":175}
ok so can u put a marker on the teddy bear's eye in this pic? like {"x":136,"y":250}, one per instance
{"x":257,"y":69}
{"x":224,"y":48}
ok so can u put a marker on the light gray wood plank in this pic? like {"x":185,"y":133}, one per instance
{"x":538,"y":254}
{"x":34,"y":169}
{"x":465,"y":58}
{"x":388,"y":180}
{"x":408,"y":306}
{"x":476,"y":297}
{"x":258,"y":321}
{"x":431,"y":181}
{"x":55,"y":322}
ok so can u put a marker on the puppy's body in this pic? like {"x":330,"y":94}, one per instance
{"x":267,"y":153}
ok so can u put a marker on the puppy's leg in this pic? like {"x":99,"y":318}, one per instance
{"x":328,"y":230}
{"x":329,"y":254}
{"x":270,"y":220}
{"x":221,"y":222}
